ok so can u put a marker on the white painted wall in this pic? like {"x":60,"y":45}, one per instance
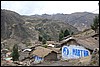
{"x":74,"y":52}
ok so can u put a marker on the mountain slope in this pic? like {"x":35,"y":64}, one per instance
{"x":12,"y":26}
{"x":24,"y":28}
{"x":80,"y":20}
{"x":52,"y":29}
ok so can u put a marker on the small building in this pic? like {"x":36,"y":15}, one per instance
{"x":27,"y":50}
{"x":8,"y":54}
{"x":50,"y":42}
{"x":50,"y":45}
{"x":69,"y":41}
{"x":57,"y":50}
{"x":57,"y":44}
{"x":53,"y":44}
{"x":42,"y":53}
{"x":95,"y":36}
{"x":74,"y":52}
{"x":23,"y":55}
{"x":88,"y":44}
{"x":8,"y":59}
{"x":85,"y":33}
{"x":3,"y":52}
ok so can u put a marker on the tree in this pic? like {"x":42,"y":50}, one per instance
{"x":15,"y":54}
{"x":40,"y":38}
{"x":71,"y":33}
{"x":66,"y":33}
{"x":95,"y":25}
{"x":61,"y":35}
{"x":44,"y":41}
{"x":44,"y":20}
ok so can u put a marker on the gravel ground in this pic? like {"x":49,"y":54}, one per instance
{"x":94,"y":62}
{"x":55,"y":63}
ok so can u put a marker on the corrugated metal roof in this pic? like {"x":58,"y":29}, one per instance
{"x":67,"y":39}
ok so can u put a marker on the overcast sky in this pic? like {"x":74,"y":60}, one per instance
{"x":50,"y":7}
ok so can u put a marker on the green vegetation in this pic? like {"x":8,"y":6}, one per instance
{"x":15,"y":54}
{"x":51,"y":29}
{"x":45,"y":45}
{"x":65,"y":33}
{"x":61,"y":35}
{"x":43,"y":38}
{"x":44,"y":20}
{"x":43,"y":41}
{"x":95,"y":25}
{"x":40,"y":38}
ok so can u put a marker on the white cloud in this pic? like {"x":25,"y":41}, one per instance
{"x":49,"y":7}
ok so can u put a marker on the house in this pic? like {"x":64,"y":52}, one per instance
{"x":57,"y":50}
{"x":89,"y":43}
{"x":27,"y":50}
{"x":8,"y":59}
{"x":85,"y":33}
{"x":38,"y":59}
{"x":96,"y":36}
{"x":23,"y":55}
{"x":69,"y":41}
{"x":3,"y":52}
{"x":8,"y":54}
{"x":50,"y":45}
{"x":50,"y":42}
{"x":74,"y":52}
{"x":53,"y":44}
{"x":57,"y":44}
{"x":21,"y":46}
{"x":43,"y":54}
{"x":82,"y":45}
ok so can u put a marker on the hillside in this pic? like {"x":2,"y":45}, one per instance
{"x":29,"y":33}
{"x":8,"y":19}
{"x":13,"y":26}
{"x":80,"y":20}
{"x":25,"y":28}
{"x":52,"y":29}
